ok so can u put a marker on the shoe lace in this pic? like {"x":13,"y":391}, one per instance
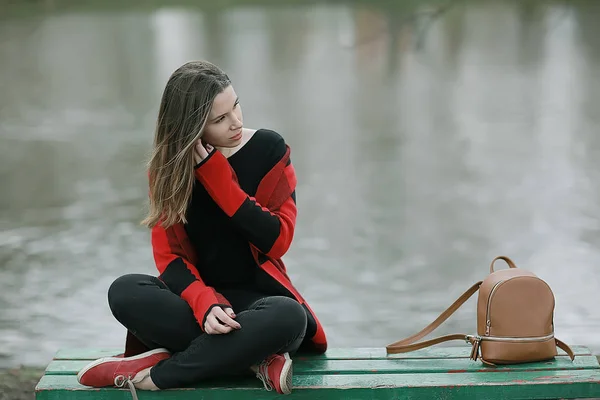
{"x":121,"y":381}
{"x":263,"y":374}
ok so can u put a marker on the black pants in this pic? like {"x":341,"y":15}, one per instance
{"x":160,"y":318}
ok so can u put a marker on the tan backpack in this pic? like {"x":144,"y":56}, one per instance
{"x":515,"y":320}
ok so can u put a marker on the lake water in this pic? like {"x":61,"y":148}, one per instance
{"x":426,"y":141}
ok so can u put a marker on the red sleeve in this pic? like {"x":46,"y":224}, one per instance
{"x":270,"y":231}
{"x":175,"y":258}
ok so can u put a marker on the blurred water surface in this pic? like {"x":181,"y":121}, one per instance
{"x":426,"y":141}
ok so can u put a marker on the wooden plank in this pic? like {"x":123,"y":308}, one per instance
{"x":457,"y":365}
{"x":331,"y":354}
{"x":432,"y":352}
{"x":391,"y":366}
{"x":509,"y":385}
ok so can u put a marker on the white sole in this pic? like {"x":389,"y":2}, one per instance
{"x":115,"y":359}
{"x":285,"y":379}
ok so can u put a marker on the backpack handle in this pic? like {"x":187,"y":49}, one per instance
{"x":510,"y":263}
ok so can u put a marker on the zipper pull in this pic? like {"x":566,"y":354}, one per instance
{"x":487,"y":327}
{"x":475,"y":349}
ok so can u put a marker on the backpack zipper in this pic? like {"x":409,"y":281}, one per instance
{"x":488,"y":322}
{"x":520,"y":339}
{"x":476,"y":338}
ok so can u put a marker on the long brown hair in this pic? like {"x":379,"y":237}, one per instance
{"x":184,"y":108}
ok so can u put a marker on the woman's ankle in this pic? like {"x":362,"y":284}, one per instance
{"x":143,"y":381}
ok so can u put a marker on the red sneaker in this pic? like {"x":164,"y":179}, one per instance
{"x":276,"y":373}
{"x":116,"y":371}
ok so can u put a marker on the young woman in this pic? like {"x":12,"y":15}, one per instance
{"x":222,"y":214}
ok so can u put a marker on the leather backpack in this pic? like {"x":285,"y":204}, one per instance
{"x":515,"y":320}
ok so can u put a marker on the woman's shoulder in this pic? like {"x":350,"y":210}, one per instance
{"x":271,"y":142}
{"x":269,"y":137}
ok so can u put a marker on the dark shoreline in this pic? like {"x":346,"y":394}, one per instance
{"x":19,"y":383}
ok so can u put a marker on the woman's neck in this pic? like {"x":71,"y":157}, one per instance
{"x":229,"y":151}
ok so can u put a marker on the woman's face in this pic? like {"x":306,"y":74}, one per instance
{"x":224,"y":124}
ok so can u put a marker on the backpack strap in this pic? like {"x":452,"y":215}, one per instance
{"x":408,"y":344}
{"x":563,"y":346}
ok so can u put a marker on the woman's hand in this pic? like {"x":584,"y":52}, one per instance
{"x":220,"y":321}
{"x":201,"y":151}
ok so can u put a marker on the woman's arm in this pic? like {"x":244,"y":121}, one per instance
{"x":175,"y":258}
{"x":269,"y":230}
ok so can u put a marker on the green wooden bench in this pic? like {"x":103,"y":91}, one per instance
{"x":362,"y":373}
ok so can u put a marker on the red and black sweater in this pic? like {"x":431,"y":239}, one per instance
{"x":241,"y":222}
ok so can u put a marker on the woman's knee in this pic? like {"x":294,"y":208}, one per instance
{"x":289,"y":315}
{"x":123,"y":290}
